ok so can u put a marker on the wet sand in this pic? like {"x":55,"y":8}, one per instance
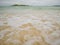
{"x":30,"y":27}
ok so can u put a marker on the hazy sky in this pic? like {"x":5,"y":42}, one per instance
{"x":30,"y":2}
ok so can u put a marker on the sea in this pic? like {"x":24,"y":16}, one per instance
{"x":15,"y":9}
{"x":8,"y":11}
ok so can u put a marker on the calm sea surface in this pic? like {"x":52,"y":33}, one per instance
{"x":4,"y":9}
{"x":22,"y":9}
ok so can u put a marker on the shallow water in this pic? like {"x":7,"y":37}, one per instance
{"x":29,"y":25}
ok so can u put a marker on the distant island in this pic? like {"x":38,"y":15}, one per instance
{"x":19,"y":5}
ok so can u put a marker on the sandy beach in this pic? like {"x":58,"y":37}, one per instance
{"x":30,"y":27}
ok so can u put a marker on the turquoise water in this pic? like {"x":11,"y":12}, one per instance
{"x":29,"y":7}
{"x":6,"y":9}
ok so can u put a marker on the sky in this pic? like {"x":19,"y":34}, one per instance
{"x":30,"y":2}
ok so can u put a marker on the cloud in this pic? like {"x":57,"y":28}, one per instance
{"x":30,"y":2}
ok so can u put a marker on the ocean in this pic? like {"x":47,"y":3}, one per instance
{"x":20,"y":8}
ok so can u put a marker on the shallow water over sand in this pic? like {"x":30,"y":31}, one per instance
{"x":29,"y":26}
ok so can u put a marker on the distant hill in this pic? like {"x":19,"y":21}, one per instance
{"x":19,"y":5}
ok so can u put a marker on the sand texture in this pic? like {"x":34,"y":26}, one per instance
{"x":38,"y":27}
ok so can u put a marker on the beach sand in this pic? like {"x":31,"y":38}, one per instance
{"x":30,"y":27}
